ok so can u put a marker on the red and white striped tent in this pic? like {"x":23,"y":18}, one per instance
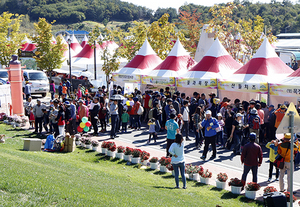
{"x":75,"y":46}
{"x":216,"y":64}
{"x":30,"y":47}
{"x":25,"y":43}
{"x":145,"y":61}
{"x":84,"y":41}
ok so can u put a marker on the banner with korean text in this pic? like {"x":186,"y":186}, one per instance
{"x":261,"y":88}
{"x":119,"y":78}
{"x":167,"y":81}
{"x":284,"y":90}
{"x":196,"y":83}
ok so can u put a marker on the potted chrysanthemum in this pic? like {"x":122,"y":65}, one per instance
{"x":221,"y":180}
{"x":164,"y":161}
{"x":204,"y":177}
{"x":128,"y":154}
{"x":95,"y":145}
{"x":145,"y":157}
{"x":120,"y":152}
{"x":136,"y":156}
{"x":236,"y":185}
{"x":153,"y":163}
{"x":104,"y":147}
{"x":111,"y":149}
{"x":250,"y":190}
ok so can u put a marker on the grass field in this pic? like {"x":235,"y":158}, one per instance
{"x":85,"y":178}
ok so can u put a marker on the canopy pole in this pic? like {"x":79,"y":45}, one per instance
{"x":95,"y":68}
{"x":291,"y":116}
{"x":268,"y":97}
{"x":218,"y":95}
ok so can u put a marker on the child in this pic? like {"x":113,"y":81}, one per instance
{"x":273,"y":146}
{"x":46,"y":120}
{"x":179,"y":121}
{"x":64,"y":89}
{"x":220,"y":130}
{"x":152,"y":131}
{"x":31,"y":118}
{"x":125,"y":120}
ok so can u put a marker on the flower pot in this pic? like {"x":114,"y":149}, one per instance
{"x":83,"y":145}
{"x":153,"y":165}
{"x":173,"y":173}
{"x":250,"y":194}
{"x":17,"y":125}
{"x":120,"y":156}
{"x":204,"y":180}
{"x":104,"y":151}
{"x":190,"y":177}
{"x":144,"y":162}
{"x":110,"y":153}
{"x":94,"y":148}
{"x":88,"y":146}
{"x":196,"y":177}
{"x":2,"y":141}
{"x":127,"y":158}
{"x":163,"y":169}
{"x":220,"y":185}
{"x":77,"y":143}
{"x":236,"y":189}
{"x":135,"y":160}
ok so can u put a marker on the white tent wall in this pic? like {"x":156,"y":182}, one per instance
{"x":243,"y":96}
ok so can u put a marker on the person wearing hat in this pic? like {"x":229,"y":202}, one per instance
{"x":279,"y":113}
{"x":237,"y":133}
{"x":27,"y":90}
{"x":210,"y":125}
{"x":251,"y":157}
{"x":220,"y":130}
{"x":254,"y":123}
{"x":38,"y":114}
{"x":285,"y":152}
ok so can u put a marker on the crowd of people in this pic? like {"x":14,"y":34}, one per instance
{"x":224,"y":124}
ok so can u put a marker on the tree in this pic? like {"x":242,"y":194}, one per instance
{"x":191,"y":25}
{"x":160,"y":36}
{"x":48,"y":55}
{"x":240,"y":38}
{"x":10,"y":36}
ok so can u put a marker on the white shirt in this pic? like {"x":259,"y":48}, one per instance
{"x":185,"y":115}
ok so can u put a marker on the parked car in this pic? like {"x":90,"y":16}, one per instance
{"x":38,"y":80}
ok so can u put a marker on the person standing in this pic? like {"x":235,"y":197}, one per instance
{"x":251,"y":158}
{"x":125,"y":120}
{"x":52,"y":89}
{"x":197,"y":131}
{"x":39,"y":115}
{"x":210,"y":125}
{"x":186,"y":119}
{"x":229,"y":116}
{"x":27,"y":90}
{"x":279,"y":114}
{"x":237,"y":133}
{"x":94,"y":115}
{"x":285,"y":152}
{"x":273,"y":146}
{"x":178,"y":161}
{"x":172,"y":128}
{"x":114,"y":118}
{"x":136,"y":116}
{"x":61,"y":120}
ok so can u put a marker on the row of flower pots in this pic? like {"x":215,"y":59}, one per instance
{"x":196,"y":173}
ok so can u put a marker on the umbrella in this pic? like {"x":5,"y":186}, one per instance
{"x":117,"y":97}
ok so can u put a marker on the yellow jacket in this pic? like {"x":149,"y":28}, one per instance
{"x":273,"y":151}
{"x":282,"y":150}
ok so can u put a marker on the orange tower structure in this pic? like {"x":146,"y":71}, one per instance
{"x":15,"y":77}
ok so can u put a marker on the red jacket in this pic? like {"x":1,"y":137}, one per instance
{"x":135,"y":107}
{"x":252,"y":154}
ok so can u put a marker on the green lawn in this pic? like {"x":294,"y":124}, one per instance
{"x":85,"y":178}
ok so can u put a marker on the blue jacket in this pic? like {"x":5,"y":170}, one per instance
{"x":214,"y":125}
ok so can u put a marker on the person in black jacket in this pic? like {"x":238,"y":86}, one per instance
{"x":94,"y":110}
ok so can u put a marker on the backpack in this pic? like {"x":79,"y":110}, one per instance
{"x":150,"y":115}
{"x":150,"y":103}
{"x":255,"y":122}
{"x":140,"y":111}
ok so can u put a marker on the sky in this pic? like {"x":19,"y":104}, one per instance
{"x":155,"y":4}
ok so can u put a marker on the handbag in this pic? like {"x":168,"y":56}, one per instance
{"x":279,"y":161}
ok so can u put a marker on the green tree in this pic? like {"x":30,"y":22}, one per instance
{"x":48,"y":56}
{"x":10,"y":36}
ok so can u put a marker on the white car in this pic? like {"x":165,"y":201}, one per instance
{"x":38,"y":80}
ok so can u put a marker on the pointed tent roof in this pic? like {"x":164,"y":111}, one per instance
{"x":84,"y":41}
{"x":177,"y":62}
{"x":264,"y":67}
{"x":87,"y":54}
{"x":75,"y":46}
{"x":217,"y":63}
{"x":145,"y":60}
{"x":25,"y":43}
{"x":292,"y":79}
{"x":30,"y":47}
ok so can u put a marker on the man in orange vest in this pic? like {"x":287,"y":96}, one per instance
{"x":279,"y":113}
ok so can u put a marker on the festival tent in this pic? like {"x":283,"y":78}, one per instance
{"x":145,"y":61}
{"x":25,"y":43}
{"x":216,"y":64}
{"x":289,"y":88}
{"x":254,"y":77}
{"x":177,"y":62}
{"x":205,"y":42}
{"x":75,"y":46}
{"x":30,"y":47}
{"x":84,"y":41}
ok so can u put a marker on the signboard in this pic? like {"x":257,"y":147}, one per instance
{"x":126,"y":78}
{"x":197,"y":83}
{"x":167,"y":81}
{"x":5,"y":98}
{"x":285,"y":122}
{"x":244,"y":87}
{"x":284,"y":90}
